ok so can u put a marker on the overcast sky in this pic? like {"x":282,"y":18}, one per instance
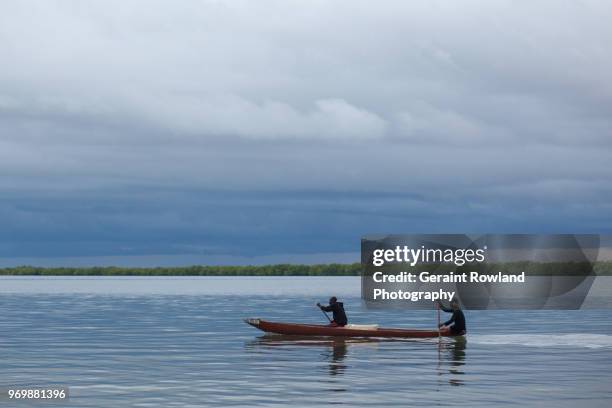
{"x":148,"y":132}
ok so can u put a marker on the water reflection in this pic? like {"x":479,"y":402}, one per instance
{"x":335,"y":350}
{"x":451,"y":359}
{"x":336,"y":356}
{"x":451,"y":353}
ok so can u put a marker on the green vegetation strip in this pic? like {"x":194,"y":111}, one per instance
{"x":262,"y":270}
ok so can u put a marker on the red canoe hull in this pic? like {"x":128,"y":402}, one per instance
{"x":296,"y":329}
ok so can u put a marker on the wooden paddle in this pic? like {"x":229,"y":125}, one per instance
{"x":438,"y":307}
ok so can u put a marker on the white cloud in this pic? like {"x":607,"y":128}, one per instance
{"x":491,"y":72}
{"x":410,"y":96}
{"x":234,"y":116}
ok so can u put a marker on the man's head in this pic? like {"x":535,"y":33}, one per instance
{"x":332,"y":300}
{"x":455,"y":304}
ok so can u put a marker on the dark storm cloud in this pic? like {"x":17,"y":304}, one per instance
{"x":156,"y":128}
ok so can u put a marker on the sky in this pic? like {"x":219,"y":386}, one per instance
{"x":162,"y":133}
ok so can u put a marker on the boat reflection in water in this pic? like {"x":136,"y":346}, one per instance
{"x":335,"y":349}
{"x":336,"y":357}
{"x":450,"y":351}
{"x":451,"y":359}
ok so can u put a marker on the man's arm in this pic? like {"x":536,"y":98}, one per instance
{"x":325,"y":308}
{"x":451,"y":320}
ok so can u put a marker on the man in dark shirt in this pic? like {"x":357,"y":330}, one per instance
{"x":338,"y":309}
{"x":456,"y":324}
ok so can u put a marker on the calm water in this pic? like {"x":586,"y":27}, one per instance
{"x":181,"y":342}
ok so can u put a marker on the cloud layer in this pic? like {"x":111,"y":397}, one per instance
{"x":151,"y":127}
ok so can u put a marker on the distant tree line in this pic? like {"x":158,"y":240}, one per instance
{"x":354,"y":269}
{"x":196,"y":270}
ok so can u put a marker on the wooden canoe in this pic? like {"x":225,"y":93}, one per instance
{"x":297,"y":329}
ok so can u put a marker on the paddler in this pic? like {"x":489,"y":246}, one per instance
{"x":456,"y":324}
{"x":337,"y":308}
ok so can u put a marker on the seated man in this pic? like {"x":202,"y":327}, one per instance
{"x":338,"y":309}
{"x":456,"y":325}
